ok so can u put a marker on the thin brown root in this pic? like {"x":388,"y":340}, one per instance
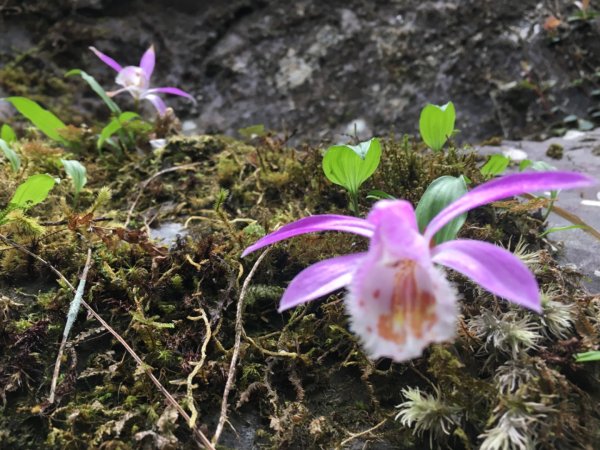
{"x":362,"y":433}
{"x":197,"y":366}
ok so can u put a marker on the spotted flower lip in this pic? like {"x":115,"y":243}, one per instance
{"x":398,"y":300}
{"x":136,"y":80}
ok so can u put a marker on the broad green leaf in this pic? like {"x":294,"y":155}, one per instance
{"x":41,"y":118}
{"x":96,"y":88}
{"x":8,"y":134}
{"x":440,"y":193}
{"x":379,"y":195}
{"x":77,"y":172}
{"x":436,"y":124}
{"x":11,"y":155}
{"x":588,"y":356}
{"x":32,"y":191}
{"x":496,"y":165}
{"x":350,"y":166}
{"x":115,"y":125}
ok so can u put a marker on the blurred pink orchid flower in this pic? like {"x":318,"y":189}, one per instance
{"x":136,"y":80}
{"x":399,"y":302}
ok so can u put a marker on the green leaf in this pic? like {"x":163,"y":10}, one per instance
{"x":350,"y":166}
{"x":41,"y":118}
{"x":32,"y":191}
{"x":588,"y":356}
{"x":541,"y":166}
{"x":440,"y":193}
{"x":496,"y":165}
{"x":96,"y":88}
{"x":11,"y":155}
{"x":115,"y":125}
{"x":436,"y":124}
{"x":77,"y":172}
{"x":8,"y":134}
{"x":253,"y":131}
{"x":564,"y":228}
{"x":379,"y":195}
{"x":525,"y":164}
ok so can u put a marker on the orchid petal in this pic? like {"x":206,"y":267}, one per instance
{"x":172,"y":91}
{"x":107,"y":59}
{"x":504,"y":187}
{"x":493,"y":267}
{"x":320,"y":279}
{"x":324,"y":222}
{"x":157,"y":103}
{"x":396,"y":231}
{"x":147,"y":62}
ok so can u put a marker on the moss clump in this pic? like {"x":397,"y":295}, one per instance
{"x":303,"y":380}
{"x":555,"y":151}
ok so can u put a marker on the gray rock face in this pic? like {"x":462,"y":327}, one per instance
{"x":581,"y":153}
{"x":313,"y":67}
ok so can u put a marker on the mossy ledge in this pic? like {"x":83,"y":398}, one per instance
{"x":303,"y":381}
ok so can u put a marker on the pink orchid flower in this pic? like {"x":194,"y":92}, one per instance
{"x":398,"y":300}
{"x":136,"y":80}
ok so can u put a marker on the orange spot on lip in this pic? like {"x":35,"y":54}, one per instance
{"x":376,"y":293}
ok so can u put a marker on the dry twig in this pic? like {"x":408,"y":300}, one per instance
{"x":73,"y":309}
{"x":236,"y":348}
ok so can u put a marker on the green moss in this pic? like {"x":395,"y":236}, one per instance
{"x":303,"y":379}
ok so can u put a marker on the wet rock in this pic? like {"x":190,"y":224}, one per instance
{"x":293,"y":72}
{"x":317,"y":65}
{"x":577,"y":248}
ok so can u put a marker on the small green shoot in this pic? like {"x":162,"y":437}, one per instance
{"x":41,"y":118}
{"x":32,"y":191}
{"x":541,"y":166}
{"x":436,"y":125}
{"x":496,"y":165}
{"x":11,"y":155}
{"x":253,"y":131}
{"x":564,"y":228}
{"x":351,"y":165}
{"x":440,"y":193}
{"x":376,"y":194}
{"x":588,"y":356}
{"x":115,"y":126}
{"x":77,"y":173}
{"x":96,"y":88}
{"x":8,"y":134}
